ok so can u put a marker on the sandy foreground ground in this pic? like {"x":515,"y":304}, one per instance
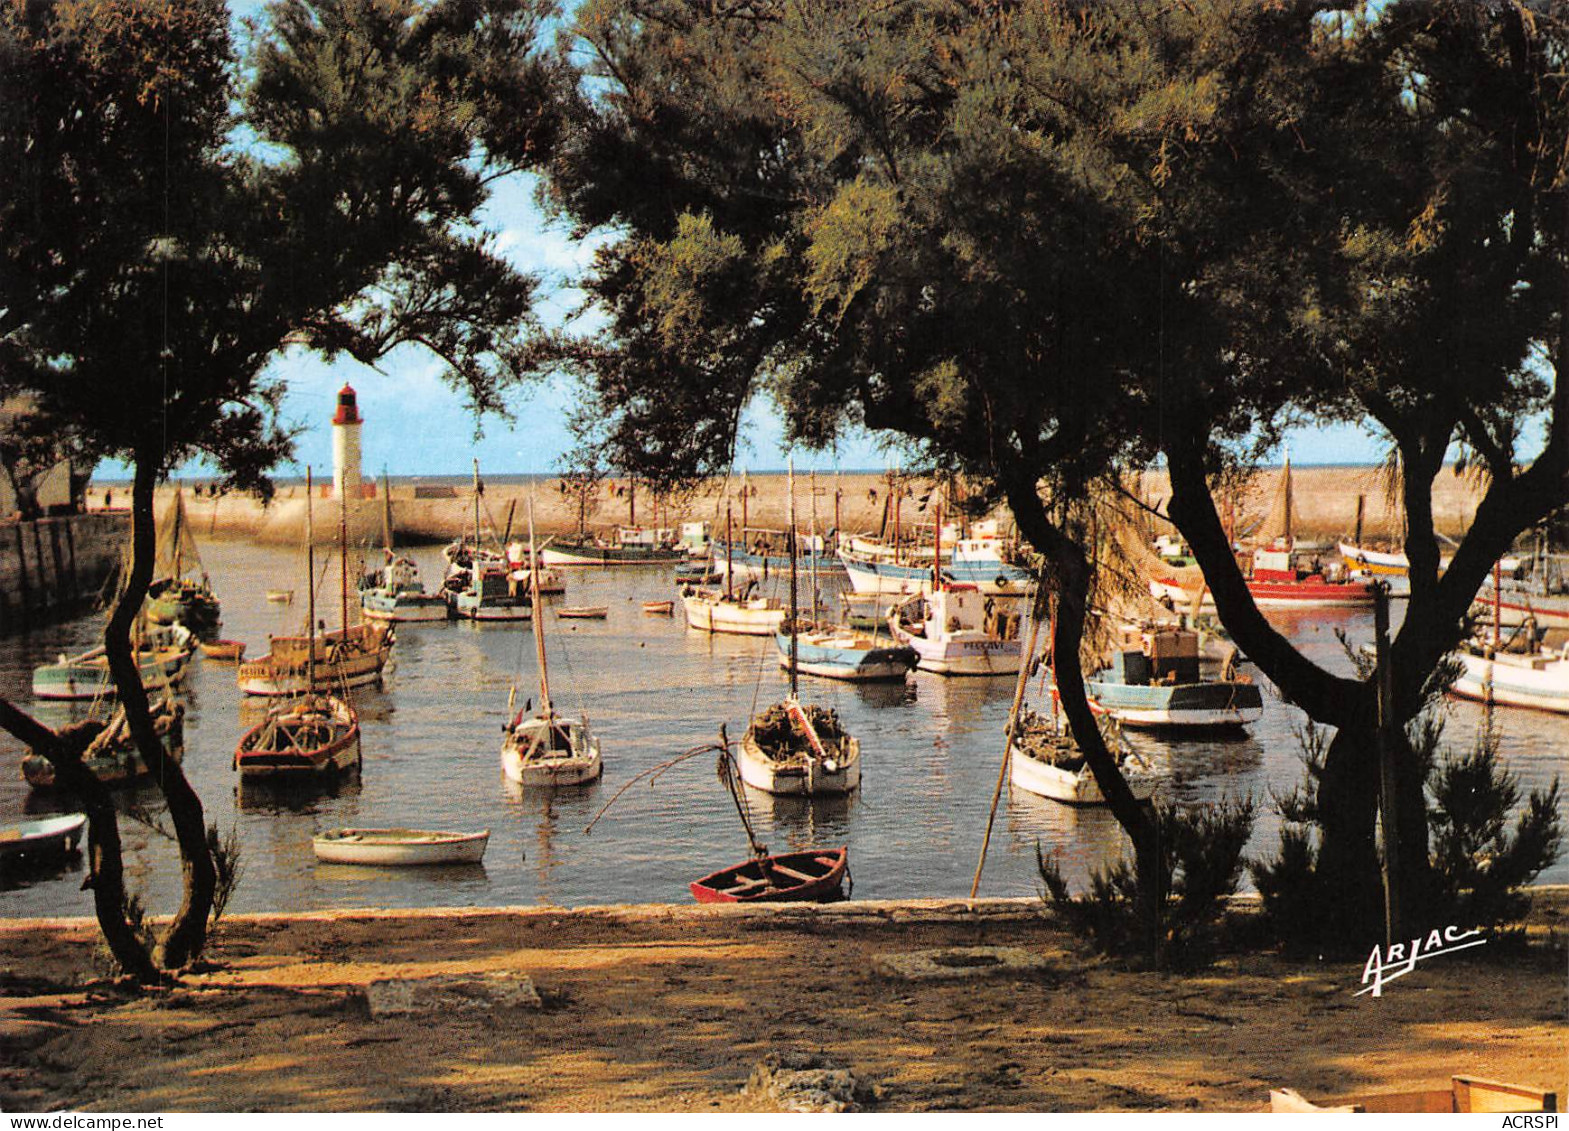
{"x":663,"y":1008}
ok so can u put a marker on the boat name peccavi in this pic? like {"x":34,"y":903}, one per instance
{"x":1398,"y":960}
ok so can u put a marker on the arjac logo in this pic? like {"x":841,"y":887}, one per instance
{"x":1400,"y":959}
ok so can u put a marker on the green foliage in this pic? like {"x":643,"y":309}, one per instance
{"x":225,"y":849}
{"x":1481,"y":863}
{"x":1201,"y":864}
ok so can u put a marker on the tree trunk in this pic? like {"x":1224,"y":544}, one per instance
{"x":187,"y":934}
{"x":106,"y":874}
{"x":1072,"y":571}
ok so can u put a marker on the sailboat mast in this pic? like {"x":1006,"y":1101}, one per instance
{"x":310,"y":589}
{"x":795,"y":645}
{"x":746,"y":492}
{"x":816,"y":550}
{"x":343,"y":561}
{"x":729,"y":555}
{"x":179,"y":513}
{"x":386,"y":511}
{"x":937,"y":549}
{"x":538,"y":616}
{"x":475,"y":565}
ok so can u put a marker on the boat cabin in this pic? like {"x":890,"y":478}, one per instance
{"x":1160,"y":655}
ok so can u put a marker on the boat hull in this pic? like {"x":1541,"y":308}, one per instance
{"x":733,"y":618}
{"x":568,"y":555}
{"x":799,"y":777}
{"x":994,"y":579}
{"x":90,"y":679}
{"x":847,"y":660}
{"x":1070,"y":787}
{"x":1516,"y":606}
{"x":285,"y":670}
{"x":1540,"y":682}
{"x":578,"y":762}
{"x":965,"y":654}
{"x":466,"y":606}
{"x":1196,"y":705}
{"x":259,"y":760}
{"x":404,"y":608}
{"x":813,"y":876}
{"x":1309,"y":594}
{"x":50,"y":836}
{"x":399,"y":848}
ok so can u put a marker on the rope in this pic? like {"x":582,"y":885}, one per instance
{"x":653,"y":774}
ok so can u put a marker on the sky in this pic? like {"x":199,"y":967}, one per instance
{"x":415,"y":425}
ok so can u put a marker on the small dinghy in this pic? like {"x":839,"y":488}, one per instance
{"x":583,"y":612}
{"x":659,"y":608}
{"x":37,"y":840}
{"x":231,"y":650}
{"x":281,"y":596}
{"x":814,"y":876}
{"x":399,"y":848}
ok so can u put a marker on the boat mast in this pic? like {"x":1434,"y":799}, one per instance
{"x":386,"y":511}
{"x":310,"y":589}
{"x":474,"y":565}
{"x":746,"y":492}
{"x":179,"y":513}
{"x":729,"y":556}
{"x":343,"y":562}
{"x":538,"y":616}
{"x":815,"y":549}
{"x":937,"y":549}
{"x":632,"y":501}
{"x":795,"y":646}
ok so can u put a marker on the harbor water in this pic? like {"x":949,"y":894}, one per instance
{"x":652,"y":689}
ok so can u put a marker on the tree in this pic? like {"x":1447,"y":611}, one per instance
{"x":1042,"y":243}
{"x":168,"y":228}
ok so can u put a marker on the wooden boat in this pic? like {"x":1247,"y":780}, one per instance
{"x":813,"y":876}
{"x":712,"y":610}
{"x":1043,"y":759}
{"x":1154,"y":681}
{"x":547,"y":749}
{"x":792,"y":749}
{"x":280,"y":596}
{"x":393,"y":848}
{"x":161,"y":663}
{"x":230,"y":650}
{"x":496,"y":596}
{"x":1380,"y":563}
{"x":180,"y":592}
{"x":352,"y":657}
{"x":958,"y":631}
{"x":627,"y":546}
{"x":311,"y":737}
{"x":972,"y":561}
{"x":583,"y":612}
{"x":1464,"y":1094}
{"x":1537,"y":678}
{"x":659,"y":608}
{"x":43,"y":838}
{"x":840,"y":652}
{"x":399,"y":596}
{"x":112,"y":756}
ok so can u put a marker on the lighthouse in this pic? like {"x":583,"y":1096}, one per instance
{"x":346,"y":445}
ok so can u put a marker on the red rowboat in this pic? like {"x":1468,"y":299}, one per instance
{"x":813,"y":876}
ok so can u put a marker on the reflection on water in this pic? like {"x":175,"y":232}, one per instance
{"x":931,"y":750}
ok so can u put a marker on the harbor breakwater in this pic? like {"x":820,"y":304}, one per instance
{"x":54,"y":567}
{"x":1327,"y":500}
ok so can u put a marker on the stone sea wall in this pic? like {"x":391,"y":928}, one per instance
{"x":55,"y":567}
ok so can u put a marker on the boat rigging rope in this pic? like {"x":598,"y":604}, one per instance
{"x":653,"y":774}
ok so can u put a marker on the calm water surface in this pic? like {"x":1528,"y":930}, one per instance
{"x":651,"y":689}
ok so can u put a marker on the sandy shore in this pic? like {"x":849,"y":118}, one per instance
{"x":1326,"y":502}
{"x":663,"y":1008}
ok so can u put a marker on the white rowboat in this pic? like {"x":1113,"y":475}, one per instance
{"x":397,"y":848}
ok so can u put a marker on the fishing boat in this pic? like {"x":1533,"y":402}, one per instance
{"x":1540,"y":598}
{"x":813,"y":876}
{"x":626,"y":546}
{"x":496,"y":595}
{"x":1154,"y":680}
{"x":551,"y":582}
{"x":1378,"y":563}
{"x":659,"y":608}
{"x":583,"y":612}
{"x":232,"y":651}
{"x":1534,"y":677}
{"x":975,"y":561}
{"x":44,"y":838}
{"x":180,"y":592}
{"x":161,"y":662}
{"x":547,"y":749}
{"x":1043,"y":759}
{"x":398,"y":595}
{"x":397,"y":848}
{"x":112,"y":756}
{"x":314,"y":736}
{"x":735,"y":614}
{"x":327,"y":662}
{"x":956,"y":630}
{"x":840,"y":652}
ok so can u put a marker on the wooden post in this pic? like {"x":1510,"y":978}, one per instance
{"x":1361,"y":505}
{"x":44,"y":585}
{"x":1386,"y":766}
{"x":21,"y":564}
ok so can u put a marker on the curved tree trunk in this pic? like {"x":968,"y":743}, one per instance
{"x":106,"y":875}
{"x":187,"y":934}
{"x":1072,"y":570}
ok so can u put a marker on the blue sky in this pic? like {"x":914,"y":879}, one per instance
{"x":414,"y":425}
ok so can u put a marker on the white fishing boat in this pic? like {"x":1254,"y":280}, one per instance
{"x":397,"y":848}
{"x":1538,"y":678}
{"x":400,"y":596}
{"x":45,"y":837}
{"x":957,"y":630}
{"x":793,"y":749}
{"x":547,"y":749}
{"x":1043,"y":759}
{"x":739,"y":614}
